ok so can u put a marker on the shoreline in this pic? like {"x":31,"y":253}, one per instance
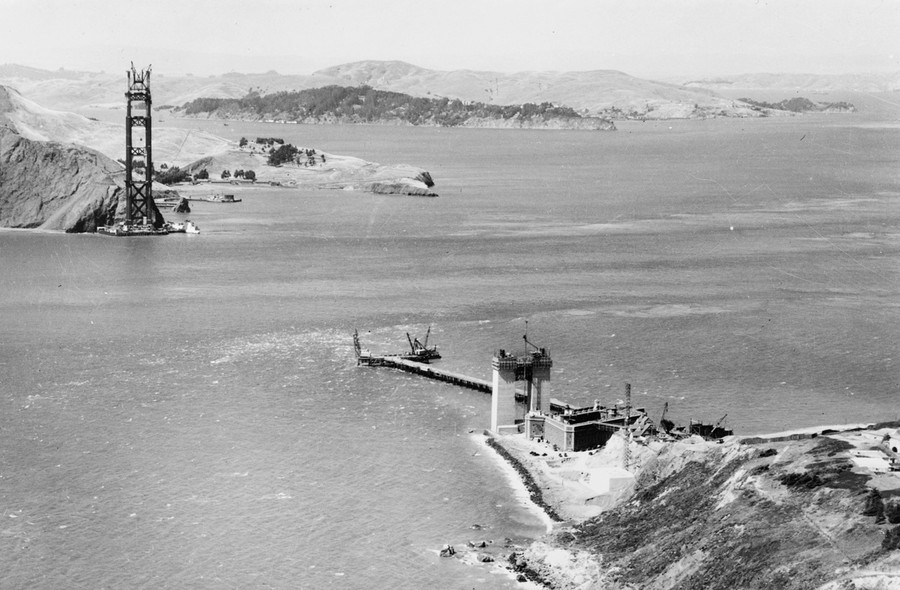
{"x":562,"y":484}
{"x":521,"y":473}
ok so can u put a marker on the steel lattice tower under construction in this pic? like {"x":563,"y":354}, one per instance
{"x":138,"y":193}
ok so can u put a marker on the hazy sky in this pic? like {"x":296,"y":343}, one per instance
{"x":646,"y":38}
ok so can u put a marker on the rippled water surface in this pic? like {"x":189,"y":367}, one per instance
{"x":186,"y":411}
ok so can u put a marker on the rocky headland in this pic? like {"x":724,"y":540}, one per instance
{"x":58,"y":172}
{"x":52,"y":186}
{"x":818,"y":508}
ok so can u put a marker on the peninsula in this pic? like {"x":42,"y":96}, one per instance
{"x":62,"y":171}
{"x":364,"y":104}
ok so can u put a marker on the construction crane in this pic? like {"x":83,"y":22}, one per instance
{"x":665,"y":424}
{"x":715,"y":429}
{"x":626,"y":454}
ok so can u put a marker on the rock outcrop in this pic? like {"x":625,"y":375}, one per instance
{"x":48,"y":185}
{"x":399,"y":188}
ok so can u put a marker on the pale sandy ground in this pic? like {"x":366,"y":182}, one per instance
{"x":578,"y":485}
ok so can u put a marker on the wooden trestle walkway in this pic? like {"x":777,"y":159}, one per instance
{"x":395,"y":362}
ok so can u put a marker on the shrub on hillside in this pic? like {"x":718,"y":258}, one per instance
{"x":173,"y":175}
{"x":892,"y":512}
{"x":891,"y":539}
{"x":285,"y":153}
{"x":806,"y":480}
{"x":874,"y":506}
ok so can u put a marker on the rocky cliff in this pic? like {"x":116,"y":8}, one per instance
{"x":49,"y":185}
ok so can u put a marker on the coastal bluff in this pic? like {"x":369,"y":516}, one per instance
{"x":53,"y":186}
{"x":810,"y":509}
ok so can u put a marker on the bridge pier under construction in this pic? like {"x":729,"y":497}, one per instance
{"x":530,"y":409}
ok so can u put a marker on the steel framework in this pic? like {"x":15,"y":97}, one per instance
{"x":138,"y":193}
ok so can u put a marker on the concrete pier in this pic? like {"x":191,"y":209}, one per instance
{"x":430,"y":372}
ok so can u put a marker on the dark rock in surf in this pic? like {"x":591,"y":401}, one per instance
{"x":183,"y":206}
{"x":398,"y":188}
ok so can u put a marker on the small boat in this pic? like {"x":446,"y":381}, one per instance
{"x":122,"y":229}
{"x":218,"y":199}
{"x":185,"y":227}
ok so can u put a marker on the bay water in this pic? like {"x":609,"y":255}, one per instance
{"x":186,"y":411}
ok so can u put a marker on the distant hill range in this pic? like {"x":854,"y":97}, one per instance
{"x":801,"y":105}
{"x":35,"y":122}
{"x":809,"y":83}
{"x":597,"y":93}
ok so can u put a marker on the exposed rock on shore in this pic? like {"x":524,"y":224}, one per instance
{"x":48,"y":185}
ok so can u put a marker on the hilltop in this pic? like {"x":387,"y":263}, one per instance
{"x":809,"y":83}
{"x":601,"y":93}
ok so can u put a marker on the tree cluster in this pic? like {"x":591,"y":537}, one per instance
{"x":285,"y":153}
{"x":173,"y":175}
{"x":365,"y":104}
